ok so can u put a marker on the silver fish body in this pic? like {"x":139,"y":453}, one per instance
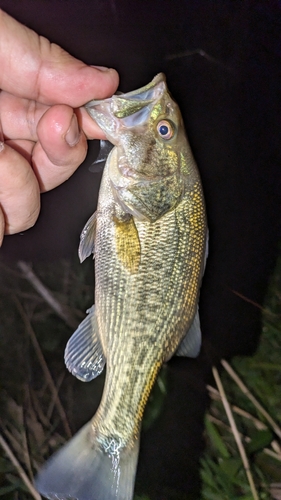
{"x":149,"y":240}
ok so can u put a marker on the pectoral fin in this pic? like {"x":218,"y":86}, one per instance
{"x":83,"y":355}
{"x":87,"y":238}
{"x":191,"y":343}
{"x":128,"y":244}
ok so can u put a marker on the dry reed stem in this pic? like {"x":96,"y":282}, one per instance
{"x":13,"y":438}
{"x":215,"y":395}
{"x":45,"y":293}
{"x":250,"y":301}
{"x":38,"y":410}
{"x":44,"y":367}
{"x":202,"y":53}
{"x":236,"y":435}
{"x":53,"y":400}
{"x":275,"y":490}
{"x":272,"y":454}
{"x":26,"y":452}
{"x":226,"y":427}
{"x":19,"y":469}
{"x":251,"y":397}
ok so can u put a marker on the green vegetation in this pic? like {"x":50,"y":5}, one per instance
{"x":40,"y":403}
{"x":223,"y":473}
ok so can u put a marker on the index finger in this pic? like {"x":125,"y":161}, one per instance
{"x":46,"y":72}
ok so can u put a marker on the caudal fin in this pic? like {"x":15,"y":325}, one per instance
{"x":81,"y":470}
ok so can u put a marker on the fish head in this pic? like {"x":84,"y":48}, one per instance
{"x":149,"y":165}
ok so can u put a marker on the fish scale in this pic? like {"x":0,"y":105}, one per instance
{"x":176,"y":243}
{"x":149,"y":238}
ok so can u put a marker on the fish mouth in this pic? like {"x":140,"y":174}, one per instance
{"x":126,"y":110}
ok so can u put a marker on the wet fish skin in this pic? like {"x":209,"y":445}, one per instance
{"x":151,"y":307}
{"x":149,"y":240}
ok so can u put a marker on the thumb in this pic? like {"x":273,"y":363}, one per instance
{"x":34,"y":68}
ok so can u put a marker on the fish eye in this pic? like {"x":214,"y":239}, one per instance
{"x":165,"y":129}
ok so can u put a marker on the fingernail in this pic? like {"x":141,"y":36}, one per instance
{"x":101,"y":68}
{"x":72,"y":136}
{"x":1,"y":146}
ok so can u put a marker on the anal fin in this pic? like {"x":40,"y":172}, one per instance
{"x":83,"y":355}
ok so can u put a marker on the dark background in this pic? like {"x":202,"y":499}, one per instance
{"x":229,"y":95}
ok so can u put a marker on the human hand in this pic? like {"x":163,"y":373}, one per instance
{"x":44,"y":128}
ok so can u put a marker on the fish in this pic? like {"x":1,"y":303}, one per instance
{"x":149,"y":240}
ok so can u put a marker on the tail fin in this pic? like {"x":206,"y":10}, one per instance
{"x":81,"y":470}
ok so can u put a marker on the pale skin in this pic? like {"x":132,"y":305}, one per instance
{"x":44,"y":127}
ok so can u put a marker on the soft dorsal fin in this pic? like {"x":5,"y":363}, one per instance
{"x":191,"y":343}
{"x":87,"y":238}
{"x":83,"y":355}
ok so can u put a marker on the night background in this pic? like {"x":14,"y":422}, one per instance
{"x":222,"y":60}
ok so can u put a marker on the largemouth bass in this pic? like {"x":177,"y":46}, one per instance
{"x":148,"y":237}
